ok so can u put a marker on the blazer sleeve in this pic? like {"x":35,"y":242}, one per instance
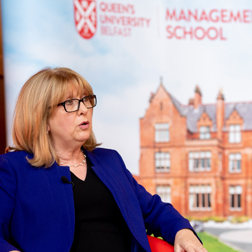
{"x":7,"y":201}
{"x":161,"y":219}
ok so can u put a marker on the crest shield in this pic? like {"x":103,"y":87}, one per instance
{"x":85,"y":17}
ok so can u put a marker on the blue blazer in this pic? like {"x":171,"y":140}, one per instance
{"x":37,"y":208}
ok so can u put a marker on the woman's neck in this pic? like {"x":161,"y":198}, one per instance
{"x":70,"y":156}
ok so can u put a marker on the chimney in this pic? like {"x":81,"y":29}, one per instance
{"x":197,"y":97}
{"x":191,"y":101}
{"x":220,"y":114}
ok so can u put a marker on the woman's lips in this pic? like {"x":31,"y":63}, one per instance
{"x":84,"y":125}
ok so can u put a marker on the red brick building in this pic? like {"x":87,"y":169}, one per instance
{"x":198,"y":156}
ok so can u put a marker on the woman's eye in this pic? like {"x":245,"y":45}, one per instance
{"x":69,"y":102}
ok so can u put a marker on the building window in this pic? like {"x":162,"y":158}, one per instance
{"x":235,"y":193}
{"x":199,"y":161}
{"x":204,"y":132}
{"x":162,"y":161}
{"x":200,"y":197}
{"x":162,"y":132}
{"x":235,"y":162}
{"x":234,"y":133}
{"x":164,"y":191}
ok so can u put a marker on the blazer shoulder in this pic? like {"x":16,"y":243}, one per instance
{"x":19,"y":153}
{"x":103,"y":155}
{"x":15,"y":157}
{"x":104,"y":151}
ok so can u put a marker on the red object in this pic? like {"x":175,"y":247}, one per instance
{"x":158,"y":245}
{"x":85,"y":17}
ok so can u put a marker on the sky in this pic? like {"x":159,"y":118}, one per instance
{"x":124,"y":70}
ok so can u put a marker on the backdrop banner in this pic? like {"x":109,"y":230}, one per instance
{"x":123,"y":48}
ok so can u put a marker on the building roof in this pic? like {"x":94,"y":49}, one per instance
{"x":193,"y":115}
{"x":244,"y":109}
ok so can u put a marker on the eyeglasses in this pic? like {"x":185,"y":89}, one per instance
{"x":73,"y":105}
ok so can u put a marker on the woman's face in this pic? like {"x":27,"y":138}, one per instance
{"x":70,"y":130}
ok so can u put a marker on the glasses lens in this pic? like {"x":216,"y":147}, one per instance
{"x":89,"y":101}
{"x":71,"y":105}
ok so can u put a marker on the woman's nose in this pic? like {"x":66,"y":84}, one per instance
{"x":82,"y":108}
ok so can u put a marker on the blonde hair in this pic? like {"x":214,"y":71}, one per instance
{"x":37,"y":100}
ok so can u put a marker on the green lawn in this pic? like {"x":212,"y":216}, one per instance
{"x":213,"y":245}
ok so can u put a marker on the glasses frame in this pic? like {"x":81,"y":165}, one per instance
{"x":80,"y":100}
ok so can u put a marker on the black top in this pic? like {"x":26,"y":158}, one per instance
{"x":99,"y":225}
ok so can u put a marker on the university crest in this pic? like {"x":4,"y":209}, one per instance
{"x":85,"y":17}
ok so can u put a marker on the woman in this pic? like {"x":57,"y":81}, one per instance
{"x":58,"y":192}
